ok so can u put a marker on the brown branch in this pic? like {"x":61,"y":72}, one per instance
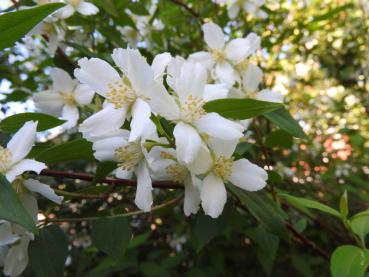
{"x":111,"y":181}
{"x":187,"y":8}
{"x":302,"y":240}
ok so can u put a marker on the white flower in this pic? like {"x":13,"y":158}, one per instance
{"x":192,"y":121}
{"x":131,"y":158}
{"x":83,"y":7}
{"x":64,"y":97}
{"x":132,"y":95}
{"x":251,"y":78}
{"x":165,"y":166}
{"x":241,"y":173}
{"x":12,"y":158}
{"x":17,"y":257}
{"x":225,"y":56}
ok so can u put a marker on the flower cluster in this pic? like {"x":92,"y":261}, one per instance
{"x":167,"y":133}
{"x":14,"y":239}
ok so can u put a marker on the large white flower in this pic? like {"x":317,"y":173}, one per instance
{"x":132,"y":95}
{"x":12,"y":158}
{"x":131,"y":158}
{"x":241,"y":173}
{"x":83,"y":7}
{"x":225,"y":56}
{"x":192,"y":121}
{"x":64,"y":97}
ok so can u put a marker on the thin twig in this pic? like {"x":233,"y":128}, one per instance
{"x":187,"y":8}
{"x":93,"y":218}
{"x":112,"y":181}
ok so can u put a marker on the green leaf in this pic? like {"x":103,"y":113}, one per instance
{"x":15,"y":25}
{"x":138,"y":8}
{"x":207,"y":228}
{"x":139,"y":240}
{"x":12,"y":123}
{"x":11,"y":207}
{"x":286,"y":122}
{"x":349,"y":261}
{"x":79,"y":149}
{"x":267,"y":246}
{"x":109,"y":7}
{"x":103,"y":169}
{"x":311,"y":204}
{"x":264,"y":210}
{"x":360,"y":226}
{"x":240,"y":108}
{"x":111,"y":236}
{"x":279,"y":138}
{"x":48,"y":252}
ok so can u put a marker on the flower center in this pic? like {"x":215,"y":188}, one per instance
{"x":218,"y":55}
{"x":128,"y":156}
{"x":177,"y":172}
{"x":192,"y":109}
{"x":48,"y":28}
{"x":68,"y":98}
{"x":242,"y":66}
{"x":120,"y":94}
{"x":5,"y":159}
{"x":74,"y":3}
{"x":223,"y":167}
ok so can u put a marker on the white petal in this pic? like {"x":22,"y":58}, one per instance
{"x":66,"y":12}
{"x":217,"y":126}
{"x":103,"y":122}
{"x":48,"y":101}
{"x":160,"y":63}
{"x":135,"y":66}
{"x":223,"y":147}
{"x":203,"y":161}
{"x":53,"y":44}
{"x":143,"y":198}
{"x":188,"y":142}
{"x":205,"y":58}
{"x":248,"y":176}
{"x":215,"y":91}
{"x":62,"y":82}
{"x":213,"y":195}
{"x":86,"y":8}
{"x":192,"y":197}
{"x":270,"y":96}
{"x":123,"y":174}
{"x":96,"y":73}
{"x":17,"y":258}
{"x":191,"y":81}
{"x":253,"y":41}
{"x":174,"y":70}
{"x":83,"y":94}
{"x":71,"y":115}
{"x":261,"y":14}
{"x":23,"y":140}
{"x":23,"y":166}
{"x":225,"y":73}
{"x":237,"y":49}
{"x":251,"y":78}
{"x":163,"y":103}
{"x":105,"y":148}
{"x":213,"y":35}
{"x":6,"y":234}
{"x":141,"y":113}
{"x":44,"y":190}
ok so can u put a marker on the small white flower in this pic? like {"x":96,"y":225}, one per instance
{"x":12,"y":158}
{"x":132,"y":95}
{"x":241,"y":173}
{"x":83,"y":7}
{"x":186,"y":110}
{"x":225,"y":56}
{"x":252,"y":7}
{"x":64,"y":97}
{"x":131,"y":158}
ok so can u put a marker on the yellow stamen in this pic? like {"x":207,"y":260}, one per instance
{"x":5,"y":159}
{"x":223,"y":167}
{"x":192,"y":109}
{"x":177,"y":172}
{"x":120,"y":94}
{"x":128,"y":156}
